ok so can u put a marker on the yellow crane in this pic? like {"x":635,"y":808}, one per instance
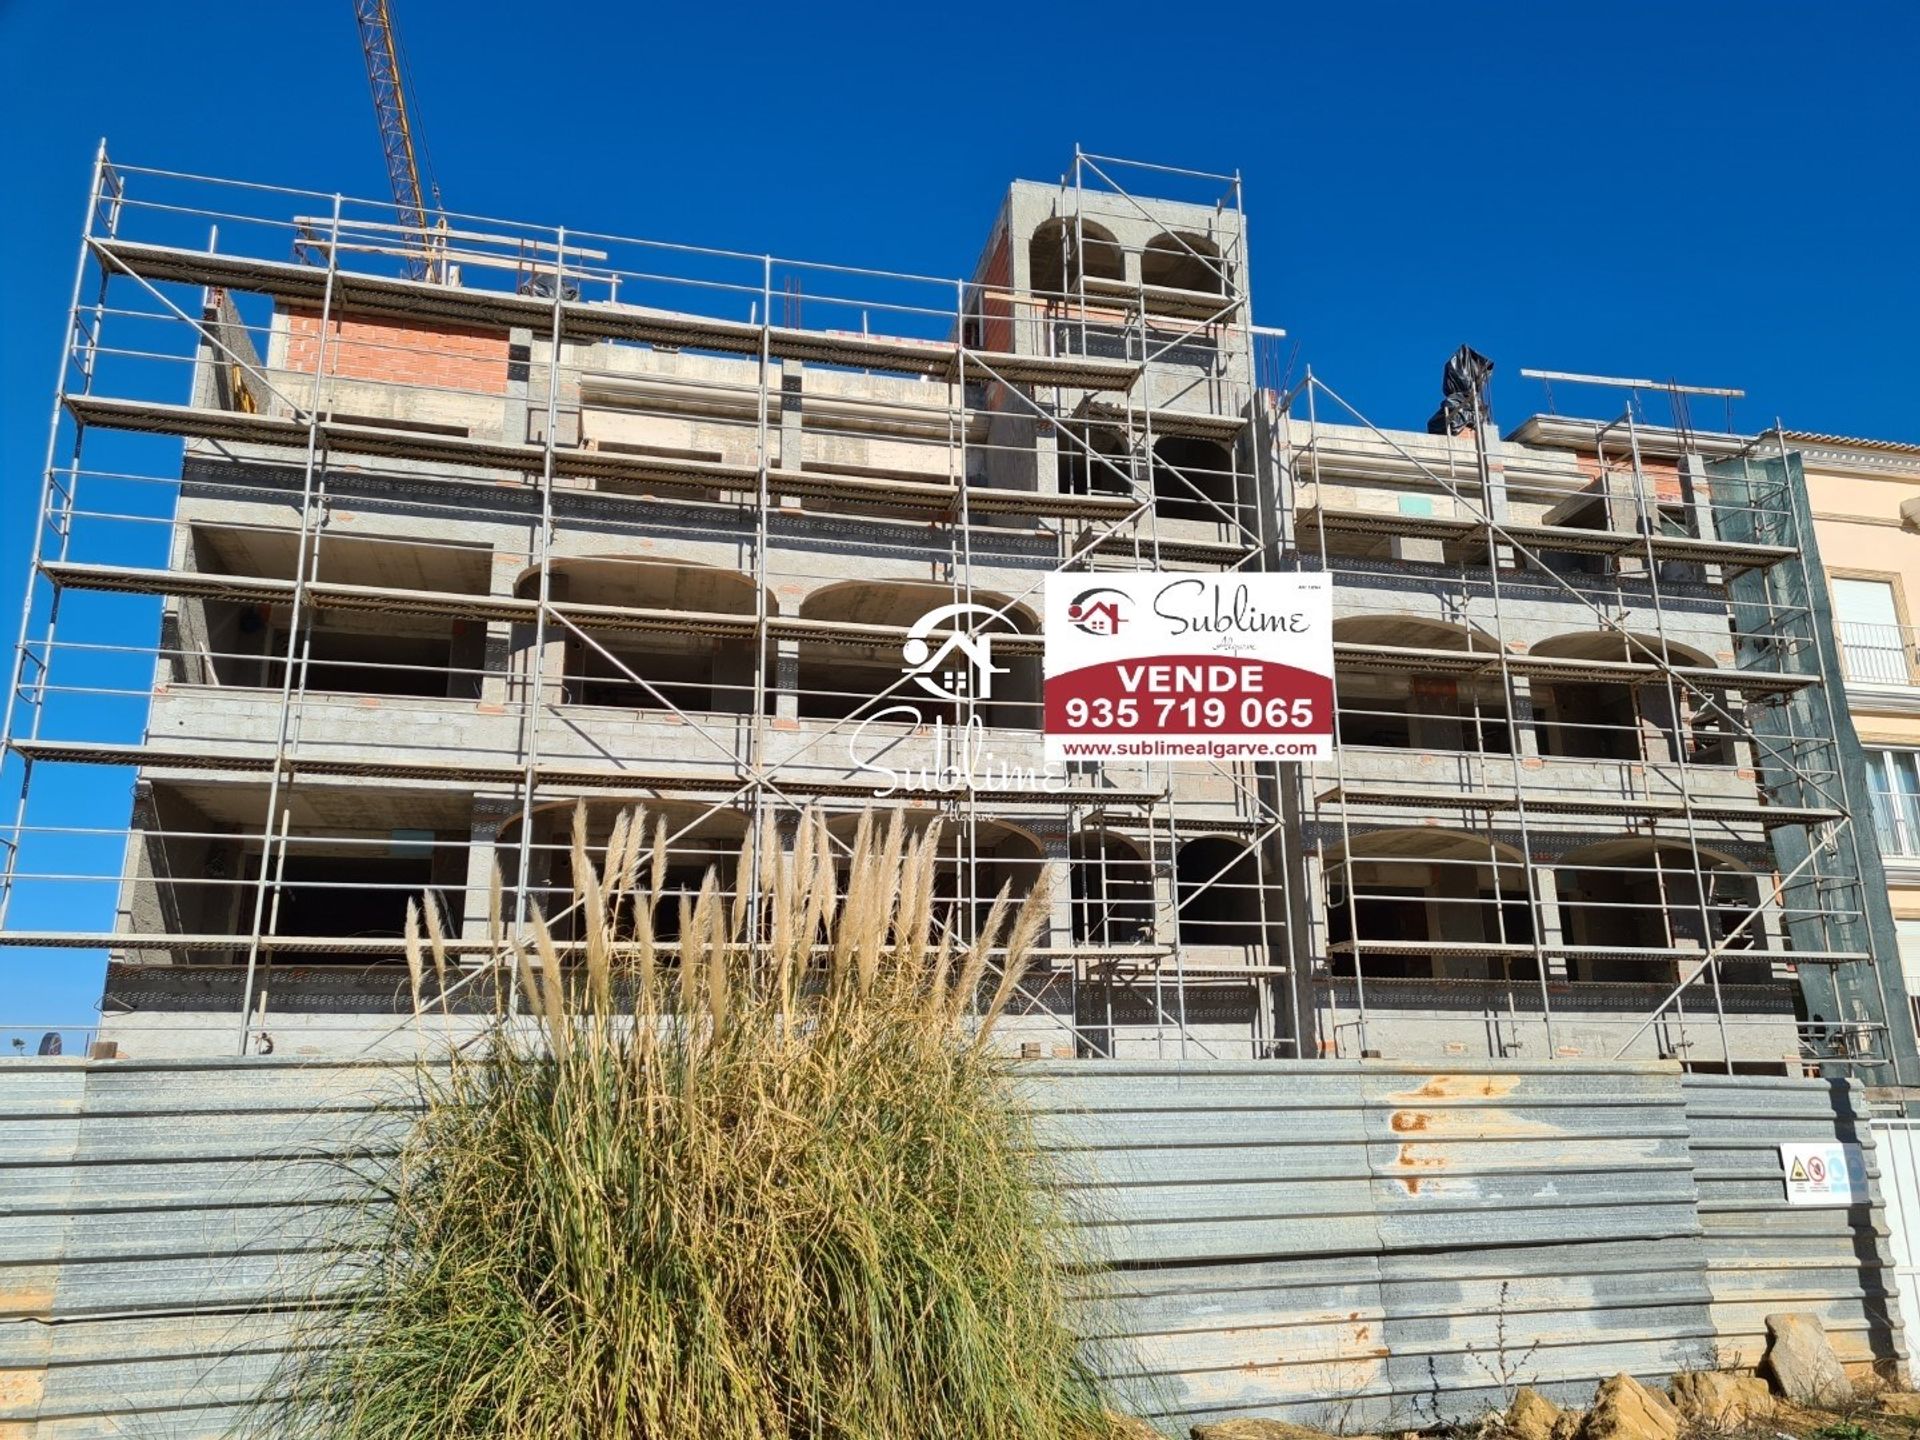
{"x":416,"y":194}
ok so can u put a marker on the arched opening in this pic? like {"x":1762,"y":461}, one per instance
{"x":1112,"y":888}
{"x":1194,"y":480}
{"x":1056,"y":259}
{"x":966,"y":878}
{"x":698,"y":839}
{"x":1184,"y":262}
{"x":1659,"y":896}
{"x":1224,"y":899}
{"x":662,"y":668}
{"x":1401,"y":899}
{"x":246,"y":643}
{"x":1389,"y":702}
{"x":1094,"y":461}
{"x":1604,"y":719}
{"x":840,"y":679}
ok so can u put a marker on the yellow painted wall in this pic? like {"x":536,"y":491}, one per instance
{"x":1857,"y":520}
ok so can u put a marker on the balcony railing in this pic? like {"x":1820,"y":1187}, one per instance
{"x":1876,"y":654}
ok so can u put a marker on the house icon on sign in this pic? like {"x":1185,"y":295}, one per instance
{"x":1098,"y":612}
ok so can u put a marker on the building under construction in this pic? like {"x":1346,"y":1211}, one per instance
{"x":477,"y":522}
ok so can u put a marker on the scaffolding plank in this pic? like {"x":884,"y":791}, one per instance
{"x":379,"y":599}
{"x":1730,"y":554}
{"x":553,"y":777}
{"x":202,"y":941}
{"x":237,"y":427}
{"x":1194,"y":424}
{"x":1224,"y":553}
{"x":358,"y":294}
{"x":1756,"y":813}
{"x":1167,"y":300}
{"x":1588,"y":952}
{"x":1397,"y":659}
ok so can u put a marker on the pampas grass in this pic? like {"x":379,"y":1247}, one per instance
{"x":764,"y":1184}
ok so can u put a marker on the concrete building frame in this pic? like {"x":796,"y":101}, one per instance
{"x":444,"y":558}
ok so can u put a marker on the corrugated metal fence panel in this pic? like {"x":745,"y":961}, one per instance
{"x":1898,"y":1142}
{"x":1348,"y":1243}
{"x":1765,"y":1256}
{"x":1368,"y":1244}
{"x":158,"y":1224}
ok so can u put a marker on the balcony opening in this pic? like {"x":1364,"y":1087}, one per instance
{"x":867,"y":680}
{"x":1874,"y":648}
{"x":1603,"y":719}
{"x":1224,"y":899}
{"x":1195,"y":480}
{"x":1389,"y":701}
{"x":1112,"y":890}
{"x":664,"y":667}
{"x":1658,"y":898}
{"x":965,"y":878}
{"x":1425,"y":904}
{"x":350,"y":895}
{"x":1586,"y":511}
{"x":698,"y":841}
{"x":245,"y":643}
{"x":354,"y":856}
{"x":1056,"y":259}
{"x":1184,"y":262}
{"x":1093,"y":460}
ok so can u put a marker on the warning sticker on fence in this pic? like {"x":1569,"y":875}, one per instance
{"x":1159,"y":666}
{"x":1824,"y":1174}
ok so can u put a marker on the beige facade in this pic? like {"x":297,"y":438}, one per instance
{"x":1865,"y":497}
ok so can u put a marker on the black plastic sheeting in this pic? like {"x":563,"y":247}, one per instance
{"x":1463,"y":384}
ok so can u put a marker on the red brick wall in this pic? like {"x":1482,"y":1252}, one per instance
{"x":405,"y":353}
{"x":997,"y":309}
{"x":1661,"y":477}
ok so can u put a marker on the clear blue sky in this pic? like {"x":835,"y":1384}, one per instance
{"x":1727,"y":194}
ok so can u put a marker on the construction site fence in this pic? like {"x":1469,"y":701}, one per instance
{"x":1349,"y":1245}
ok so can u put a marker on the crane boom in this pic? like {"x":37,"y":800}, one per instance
{"x":387,"y":79}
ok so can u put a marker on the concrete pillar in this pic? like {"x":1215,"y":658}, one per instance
{"x":789,"y":378}
{"x":1055,"y":857}
{"x":1546,"y":918}
{"x":560,"y":643}
{"x":490,"y":813}
{"x":1526,"y":738}
{"x":785,"y":679}
{"x":1660,"y":735}
{"x":1495,"y":498}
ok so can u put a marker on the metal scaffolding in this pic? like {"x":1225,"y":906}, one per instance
{"x":581,"y":517}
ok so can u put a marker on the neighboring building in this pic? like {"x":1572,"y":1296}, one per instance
{"x":1865,"y":496}
{"x":587,"y":518}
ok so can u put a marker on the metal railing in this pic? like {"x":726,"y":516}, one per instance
{"x":1876,"y":654}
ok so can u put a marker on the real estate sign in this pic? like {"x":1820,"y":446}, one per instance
{"x":1162,"y":666}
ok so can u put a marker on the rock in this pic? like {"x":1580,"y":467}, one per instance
{"x":1720,"y":1399}
{"x":1624,"y":1409}
{"x":1800,"y":1363}
{"x":1532,"y":1416}
{"x":1251,"y":1429}
{"x":1568,"y":1426}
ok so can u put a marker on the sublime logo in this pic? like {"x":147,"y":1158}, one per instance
{"x":1100,"y":611}
{"x":962,"y":665}
{"x":902,"y":750}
